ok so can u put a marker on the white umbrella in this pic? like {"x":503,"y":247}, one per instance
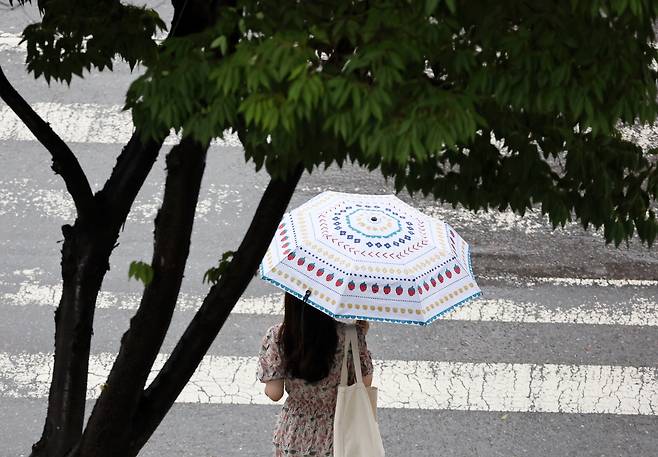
{"x":370,"y":257}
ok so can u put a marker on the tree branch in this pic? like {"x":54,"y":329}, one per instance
{"x":128,"y":175}
{"x":65,"y":163}
{"x":118,"y":402}
{"x":136,"y":159}
{"x":218,"y":304}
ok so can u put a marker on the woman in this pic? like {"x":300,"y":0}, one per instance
{"x":304,"y":355}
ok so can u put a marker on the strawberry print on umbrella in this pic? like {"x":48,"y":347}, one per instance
{"x":370,"y":257}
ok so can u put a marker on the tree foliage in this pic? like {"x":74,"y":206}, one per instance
{"x":416,"y":88}
{"x":419,"y":89}
{"x":65,"y":42}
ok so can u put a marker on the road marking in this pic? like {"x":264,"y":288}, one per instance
{"x":640,"y":311}
{"x":9,"y":42}
{"x":85,"y":123}
{"x":31,"y":294}
{"x":574,"y":282}
{"x":514,"y":387}
{"x":22,"y":197}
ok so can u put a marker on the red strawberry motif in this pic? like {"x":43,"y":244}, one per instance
{"x":320,"y":272}
{"x":350,"y":285}
{"x":426,"y":286}
{"x":291,"y":256}
{"x":281,"y":225}
{"x":285,"y":245}
{"x":387,"y":289}
{"x":310,"y":266}
{"x":433,"y":282}
{"x":420,"y":290}
{"x":284,"y":238}
{"x":398,"y":290}
{"x":329,"y":277}
{"x":457,"y":269}
{"x":283,"y":232}
{"x":448,"y":274}
{"x":375,"y":288}
{"x":339,"y":282}
{"x":440,"y":278}
{"x":301,"y":261}
{"x":411,"y":291}
{"x":363,"y":286}
{"x":286,"y":251}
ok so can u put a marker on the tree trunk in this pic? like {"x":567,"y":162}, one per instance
{"x":82,"y":275}
{"x":85,"y":259}
{"x":218,"y":304}
{"x":108,"y":429}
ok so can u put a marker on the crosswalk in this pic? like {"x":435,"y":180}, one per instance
{"x":409,"y":384}
{"x":580,"y":385}
{"x":639,"y":311}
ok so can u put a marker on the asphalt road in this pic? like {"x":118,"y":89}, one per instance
{"x":549,"y":362}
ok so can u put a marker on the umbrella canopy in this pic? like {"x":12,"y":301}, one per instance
{"x":370,"y":257}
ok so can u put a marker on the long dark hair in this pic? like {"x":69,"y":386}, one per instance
{"x":309,"y":340}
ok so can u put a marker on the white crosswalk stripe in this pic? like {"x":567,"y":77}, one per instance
{"x":10,"y":42}
{"x":643,"y":312}
{"x":84,"y":123}
{"x":582,"y":389}
{"x":23,"y":197}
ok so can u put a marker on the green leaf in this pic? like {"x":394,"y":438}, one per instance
{"x":221,"y":43}
{"x":215,"y":273}
{"x":141,"y":271}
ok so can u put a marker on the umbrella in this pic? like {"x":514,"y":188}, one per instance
{"x":370,"y":257}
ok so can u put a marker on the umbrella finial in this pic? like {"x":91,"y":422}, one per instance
{"x":306,"y":295}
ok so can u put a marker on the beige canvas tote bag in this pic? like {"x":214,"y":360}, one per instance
{"x":356,"y":433}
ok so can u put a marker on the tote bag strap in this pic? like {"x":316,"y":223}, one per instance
{"x":351,"y":339}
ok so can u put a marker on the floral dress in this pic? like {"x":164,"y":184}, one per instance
{"x":305,"y":425}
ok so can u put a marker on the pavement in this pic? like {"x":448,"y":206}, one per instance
{"x":558,"y":358}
